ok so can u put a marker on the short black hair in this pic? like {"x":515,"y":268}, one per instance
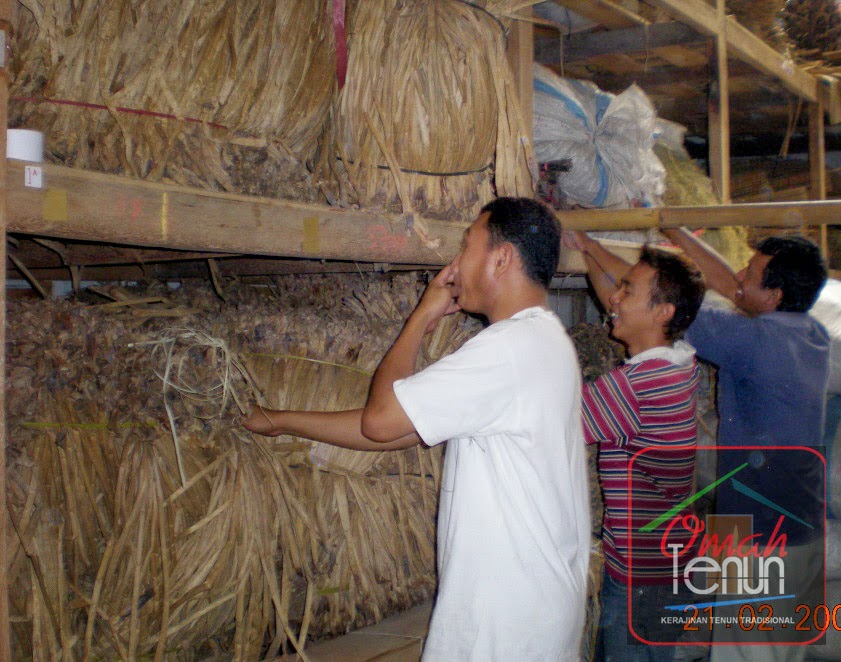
{"x":676,"y":281}
{"x":533,"y":230}
{"x":796,"y":268}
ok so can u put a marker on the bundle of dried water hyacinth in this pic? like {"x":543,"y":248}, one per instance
{"x":428,"y":121}
{"x":234,"y":96}
{"x":126,"y":545}
{"x":216,"y":94}
{"x":762,"y":17}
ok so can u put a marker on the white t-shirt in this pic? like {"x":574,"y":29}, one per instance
{"x":514,"y":514}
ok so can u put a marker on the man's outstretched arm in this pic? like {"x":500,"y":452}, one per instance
{"x":604,"y":269}
{"x":718,"y":275}
{"x":339,"y":428}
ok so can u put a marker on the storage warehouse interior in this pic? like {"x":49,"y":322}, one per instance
{"x":210,"y":205}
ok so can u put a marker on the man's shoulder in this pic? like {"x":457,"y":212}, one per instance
{"x":528,"y":323}
{"x":515,"y":339}
{"x":792,"y":326}
{"x":660,"y":371}
{"x":719,"y":325}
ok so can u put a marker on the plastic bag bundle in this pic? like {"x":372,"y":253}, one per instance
{"x":827,"y":310}
{"x":605,"y":141}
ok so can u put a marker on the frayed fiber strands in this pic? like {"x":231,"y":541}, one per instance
{"x":762,"y":17}
{"x":428,"y":121}
{"x":222,"y":95}
{"x":243,"y":97}
{"x":126,"y":545}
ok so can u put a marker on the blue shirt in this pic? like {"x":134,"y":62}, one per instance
{"x":772,"y":377}
{"x":773,"y":371}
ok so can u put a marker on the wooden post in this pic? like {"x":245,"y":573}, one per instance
{"x":520,"y":55}
{"x":817,"y":165}
{"x":5,"y":24}
{"x":521,"y":58}
{"x":719,"y":113}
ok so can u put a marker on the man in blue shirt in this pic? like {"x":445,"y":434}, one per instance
{"x":773,"y":361}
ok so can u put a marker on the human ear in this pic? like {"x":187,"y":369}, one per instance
{"x":664,"y":313}
{"x":503,"y":257}
{"x":773,"y":298}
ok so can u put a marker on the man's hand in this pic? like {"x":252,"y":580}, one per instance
{"x":439,"y":299}
{"x":575,"y":239}
{"x":718,"y":274}
{"x":261,"y":421}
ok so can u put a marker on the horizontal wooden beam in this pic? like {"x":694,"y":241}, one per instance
{"x":578,"y":47}
{"x":604,"y":12}
{"x":743,"y":44}
{"x":87,"y":206}
{"x":56,"y":254}
{"x":250,"y":269}
{"x":771,"y":215}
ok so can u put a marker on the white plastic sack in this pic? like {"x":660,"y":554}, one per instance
{"x":827,"y":310}
{"x":608,"y":139}
{"x":829,"y":646}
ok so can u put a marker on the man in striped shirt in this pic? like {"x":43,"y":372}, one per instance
{"x":642,"y":415}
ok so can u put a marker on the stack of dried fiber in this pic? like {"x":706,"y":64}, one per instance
{"x":147,"y":522}
{"x":813,"y":25}
{"x":689,"y":186}
{"x":762,"y":17}
{"x":222,"y":95}
{"x":236,"y":97}
{"x":428,"y":121}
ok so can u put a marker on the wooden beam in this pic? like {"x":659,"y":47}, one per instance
{"x":579,"y":47}
{"x":817,"y":165}
{"x":250,"y":269}
{"x":87,"y":206}
{"x":604,"y":12}
{"x":743,"y":44}
{"x":718,"y":113}
{"x":5,"y":33}
{"x":829,"y":90}
{"x":771,"y":215}
{"x":521,"y":59}
{"x":37,"y":256}
{"x":680,"y":56}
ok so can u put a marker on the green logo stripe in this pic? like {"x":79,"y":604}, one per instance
{"x":653,"y":524}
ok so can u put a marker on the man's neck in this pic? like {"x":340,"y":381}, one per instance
{"x":643,"y":345}
{"x":511,"y":303}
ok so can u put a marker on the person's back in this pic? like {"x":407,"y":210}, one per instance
{"x":773,"y":366}
{"x":772,"y":377}
{"x":514,"y":525}
{"x":773,"y":371}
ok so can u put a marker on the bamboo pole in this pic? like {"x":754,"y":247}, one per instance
{"x":5,"y":31}
{"x":817,"y":164}
{"x":94,"y":207}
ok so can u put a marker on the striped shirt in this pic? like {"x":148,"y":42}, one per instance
{"x":643,"y":416}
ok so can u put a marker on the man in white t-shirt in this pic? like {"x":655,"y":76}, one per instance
{"x":514,"y":521}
